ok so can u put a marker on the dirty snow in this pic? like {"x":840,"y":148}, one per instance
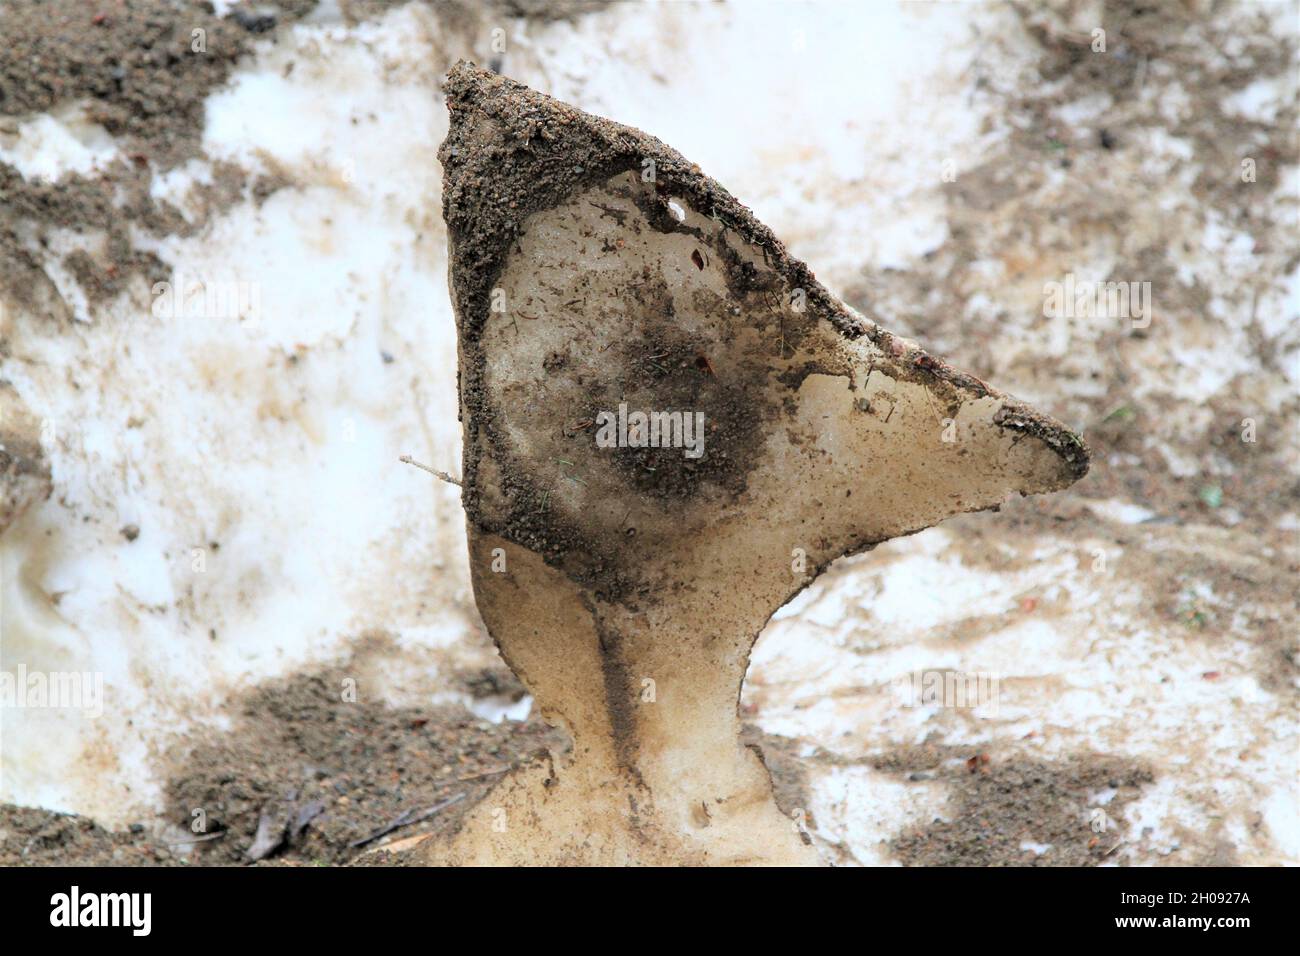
{"x":257,"y":452}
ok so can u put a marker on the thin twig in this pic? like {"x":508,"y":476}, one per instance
{"x":485,"y":773}
{"x":408,"y":460}
{"x":405,"y":820}
{"x":203,"y":839}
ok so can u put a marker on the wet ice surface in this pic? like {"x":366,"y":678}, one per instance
{"x":257,"y":453}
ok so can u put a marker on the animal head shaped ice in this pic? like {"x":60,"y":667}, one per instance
{"x":670,"y":429}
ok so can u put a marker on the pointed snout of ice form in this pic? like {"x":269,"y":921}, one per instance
{"x":984,"y":435}
{"x":1063,"y":457}
{"x":893,"y":443}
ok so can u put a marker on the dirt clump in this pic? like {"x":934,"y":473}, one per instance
{"x":318,"y":771}
{"x":34,"y":837}
{"x":310,"y":773}
{"x":1015,"y":810}
{"x":145,"y":68}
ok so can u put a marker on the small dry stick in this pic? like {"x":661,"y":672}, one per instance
{"x":408,"y":460}
{"x":485,"y":773}
{"x":405,"y":820}
{"x":203,"y":839}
